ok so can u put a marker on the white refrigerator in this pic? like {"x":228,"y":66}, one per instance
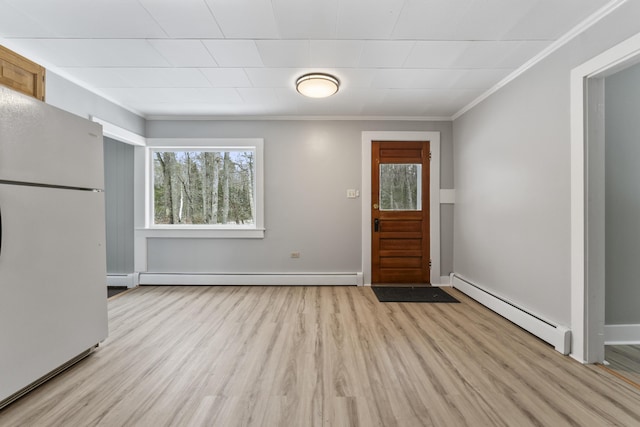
{"x":53,"y":297}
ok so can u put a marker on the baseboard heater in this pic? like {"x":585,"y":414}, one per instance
{"x":128,"y":280}
{"x":556,"y":335}
{"x":258,"y":279}
{"x":17,"y":395}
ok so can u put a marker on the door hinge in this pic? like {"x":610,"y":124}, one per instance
{"x":429,"y":155}
{"x":429,"y":264}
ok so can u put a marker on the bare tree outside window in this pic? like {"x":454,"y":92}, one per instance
{"x":400,"y":188}
{"x":204,"y":187}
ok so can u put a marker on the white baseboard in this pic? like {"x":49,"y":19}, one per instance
{"x":622,"y":334}
{"x":556,"y":335}
{"x":281,"y":279}
{"x":128,"y":280}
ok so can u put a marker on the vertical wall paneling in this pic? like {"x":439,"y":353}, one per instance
{"x":118,"y":159}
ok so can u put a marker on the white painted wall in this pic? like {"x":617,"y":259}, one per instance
{"x":512,"y":160}
{"x":72,"y":98}
{"x":622,"y":224}
{"x":309,"y":165}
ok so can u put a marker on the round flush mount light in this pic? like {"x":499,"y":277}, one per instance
{"x":317,"y":85}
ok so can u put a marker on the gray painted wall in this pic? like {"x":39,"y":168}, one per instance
{"x":512,"y":165}
{"x":118,"y":182}
{"x":622,"y":189}
{"x":308,"y":165}
{"x":70,"y":97}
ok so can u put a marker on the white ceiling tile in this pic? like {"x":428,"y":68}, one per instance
{"x":392,"y":57}
{"x":92,"y":19}
{"x":178,"y":95}
{"x":226,"y":77}
{"x":416,"y":78}
{"x":366,"y":96}
{"x":261,"y":96}
{"x":400,"y":102}
{"x":184,"y":53}
{"x":367,"y":19}
{"x":96,"y":52}
{"x":195,"y":109}
{"x":461,"y":97}
{"x":234,"y":53}
{"x":335,"y":53}
{"x":435,"y":54}
{"x":16,"y":23}
{"x":459,"y":19}
{"x":520,"y":53}
{"x":430,"y":19}
{"x":498,"y":54}
{"x":479,"y":78}
{"x":539,"y":23}
{"x":274,"y":77}
{"x":385,"y":54}
{"x":353,"y":77}
{"x":245,"y":19}
{"x":284,"y":53}
{"x":490,"y":19}
{"x":99,"y":77}
{"x":306,"y":19}
{"x":394,"y":78}
{"x":164,"y":77}
{"x":483,"y":54}
{"x":184,"y":18}
{"x":412,"y":102}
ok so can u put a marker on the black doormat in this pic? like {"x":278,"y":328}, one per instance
{"x":409,"y":294}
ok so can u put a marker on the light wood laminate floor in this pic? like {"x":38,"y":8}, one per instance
{"x":625,"y":360}
{"x":319,"y":356}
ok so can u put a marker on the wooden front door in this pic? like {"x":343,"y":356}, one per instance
{"x":400,"y":212}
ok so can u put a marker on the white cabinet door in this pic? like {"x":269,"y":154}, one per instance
{"x":53,"y":302}
{"x":43,"y":144}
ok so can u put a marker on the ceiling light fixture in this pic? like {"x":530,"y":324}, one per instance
{"x":317,"y":85}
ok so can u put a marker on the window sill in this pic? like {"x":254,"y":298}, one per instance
{"x":177,"y":232}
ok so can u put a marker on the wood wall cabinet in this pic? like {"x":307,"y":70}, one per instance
{"x":20,"y":74}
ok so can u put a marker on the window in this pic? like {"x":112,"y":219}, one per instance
{"x":400,"y":187}
{"x":206,"y":186}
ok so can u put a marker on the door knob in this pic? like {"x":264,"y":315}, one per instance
{"x":375,"y":206}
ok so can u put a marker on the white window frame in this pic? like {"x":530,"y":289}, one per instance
{"x":204,"y":230}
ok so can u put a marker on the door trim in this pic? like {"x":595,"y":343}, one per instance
{"x":587,"y":293}
{"x":434,"y":199}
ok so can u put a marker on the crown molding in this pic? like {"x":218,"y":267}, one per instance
{"x":300,"y":118}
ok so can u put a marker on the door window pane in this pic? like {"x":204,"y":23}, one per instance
{"x":400,"y":187}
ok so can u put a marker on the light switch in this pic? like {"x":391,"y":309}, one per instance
{"x":352,"y":194}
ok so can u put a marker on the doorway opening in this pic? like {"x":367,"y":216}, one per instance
{"x":588,"y":198}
